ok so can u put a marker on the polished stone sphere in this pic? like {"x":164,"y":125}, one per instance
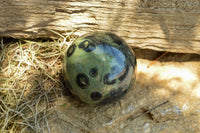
{"x":99,"y":67}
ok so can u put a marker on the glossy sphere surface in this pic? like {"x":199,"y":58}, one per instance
{"x":99,"y":67}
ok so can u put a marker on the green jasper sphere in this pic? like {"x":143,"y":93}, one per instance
{"x":99,"y":67}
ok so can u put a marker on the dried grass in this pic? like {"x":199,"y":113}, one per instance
{"x":30,"y":83}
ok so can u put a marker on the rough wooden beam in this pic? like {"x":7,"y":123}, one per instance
{"x":164,"y":25}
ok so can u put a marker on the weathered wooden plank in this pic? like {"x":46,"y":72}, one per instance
{"x":164,"y":25}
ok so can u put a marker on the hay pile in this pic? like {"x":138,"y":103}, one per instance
{"x":29,"y":83}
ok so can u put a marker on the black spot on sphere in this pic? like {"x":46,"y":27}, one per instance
{"x":116,"y":39}
{"x":87,"y":46}
{"x":90,"y":47}
{"x":125,"y":72}
{"x":115,"y":94}
{"x":95,"y":96}
{"x":93,"y":72}
{"x":82,"y":80}
{"x":71,"y":50}
{"x":106,"y":79}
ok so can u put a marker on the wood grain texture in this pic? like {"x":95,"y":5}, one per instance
{"x":164,"y":25}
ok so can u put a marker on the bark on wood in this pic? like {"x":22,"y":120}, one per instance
{"x":165,"y":25}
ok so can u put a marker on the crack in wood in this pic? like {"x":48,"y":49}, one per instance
{"x":70,"y":11}
{"x":89,"y":23}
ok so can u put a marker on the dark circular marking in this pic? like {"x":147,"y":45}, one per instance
{"x":71,"y":50}
{"x":125,"y":72}
{"x":115,"y":95}
{"x":90,"y":47}
{"x":106,"y":79}
{"x":93,"y":72}
{"x":87,"y":46}
{"x":116,"y":39}
{"x":82,"y":80}
{"x":96,"y":96}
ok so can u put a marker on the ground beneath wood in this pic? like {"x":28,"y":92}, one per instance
{"x":165,"y":99}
